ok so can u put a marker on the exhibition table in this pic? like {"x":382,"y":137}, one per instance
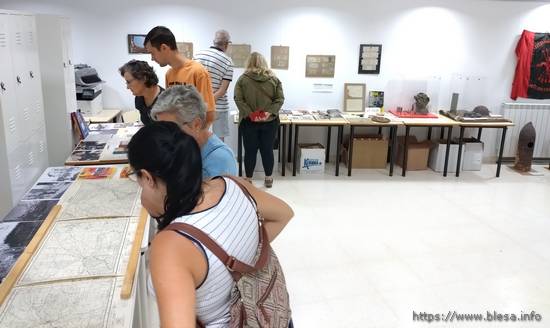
{"x":367,"y":122}
{"x":329,"y":123}
{"x":104,"y":116}
{"x":441,"y":121}
{"x":483,"y":125}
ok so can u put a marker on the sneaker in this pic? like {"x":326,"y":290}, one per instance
{"x":268,"y":182}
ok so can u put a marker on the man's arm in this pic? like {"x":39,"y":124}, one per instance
{"x":226,"y":79}
{"x":222,"y":90}
{"x":204,"y":86}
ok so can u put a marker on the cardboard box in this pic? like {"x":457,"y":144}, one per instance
{"x":472,"y":157}
{"x":437,"y":156}
{"x":417,"y":155}
{"x":369,"y":152}
{"x":312,"y":158}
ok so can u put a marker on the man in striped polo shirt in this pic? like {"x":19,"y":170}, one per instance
{"x":220,"y":67}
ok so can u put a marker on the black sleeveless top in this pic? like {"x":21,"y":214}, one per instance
{"x":144,"y":110}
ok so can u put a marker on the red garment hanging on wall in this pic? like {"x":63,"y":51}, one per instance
{"x":532,"y":78}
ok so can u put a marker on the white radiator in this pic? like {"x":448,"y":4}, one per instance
{"x":521,"y":114}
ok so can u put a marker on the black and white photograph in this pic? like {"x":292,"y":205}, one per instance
{"x":107,"y":126}
{"x":47,"y":191}
{"x":85,"y":155}
{"x":90,"y":145}
{"x":54,"y":174}
{"x":32,"y":210}
{"x":17,"y":234}
{"x":8,"y":257}
{"x":14,"y":237}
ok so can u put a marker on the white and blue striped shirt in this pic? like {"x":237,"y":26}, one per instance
{"x":220,"y":67}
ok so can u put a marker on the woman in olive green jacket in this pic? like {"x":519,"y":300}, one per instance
{"x":259,"y":97}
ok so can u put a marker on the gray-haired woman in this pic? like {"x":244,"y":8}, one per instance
{"x":143,"y":83}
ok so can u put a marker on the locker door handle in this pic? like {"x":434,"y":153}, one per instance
{"x":64,"y":64}
{"x":31,"y":74}
{"x":18,"y":79}
{"x":70,"y":63}
{"x":3,"y":86}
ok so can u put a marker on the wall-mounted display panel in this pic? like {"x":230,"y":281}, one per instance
{"x":354,"y":97}
{"x":279,"y":57}
{"x":185,"y":48}
{"x":136,"y":44}
{"x":320,"y":65}
{"x":239,"y":54}
{"x":369,"y":58}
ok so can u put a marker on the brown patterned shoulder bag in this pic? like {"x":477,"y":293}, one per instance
{"x":260,"y":297}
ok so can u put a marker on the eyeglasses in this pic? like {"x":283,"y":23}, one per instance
{"x":128,"y":82}
{"x":132,"y":175}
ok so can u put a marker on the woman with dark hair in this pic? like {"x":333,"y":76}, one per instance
{"x":189,"y":281}
{"x":143,"y":82}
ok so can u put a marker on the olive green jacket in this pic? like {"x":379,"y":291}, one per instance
{"x":258,"y":92}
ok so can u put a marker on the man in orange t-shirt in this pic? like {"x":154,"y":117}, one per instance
{"x":161,"y":44}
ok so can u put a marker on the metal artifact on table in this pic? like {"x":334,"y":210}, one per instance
{"x":482,"y":111}
{"x":421,"y":103}
{"x":479,"y":114}
{"x":526,"y":146}
{"x":379,"y":119}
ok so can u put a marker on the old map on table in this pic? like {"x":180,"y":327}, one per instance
{"x":101,"y":198}
{"x":70,"y":304}
{"x":82,"y":248}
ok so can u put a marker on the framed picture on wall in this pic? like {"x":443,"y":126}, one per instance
{"x":320,"y":65}
{"x":279,"y":57}
{"x":369,"y":58}
{"x":186,"y":49}
{"x":136,"y":44}
{"x":239,"y":54}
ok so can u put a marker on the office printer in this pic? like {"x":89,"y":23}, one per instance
{"x":88,"y":83}
{"x":88,"y":90}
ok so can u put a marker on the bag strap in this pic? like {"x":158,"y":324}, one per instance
{"x":259,"y":89}
{"x":236,"y":268}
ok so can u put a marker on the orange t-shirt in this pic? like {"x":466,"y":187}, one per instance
{"x":195,"y":74}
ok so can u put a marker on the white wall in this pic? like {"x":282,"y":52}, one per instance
{"x":446,"y":45}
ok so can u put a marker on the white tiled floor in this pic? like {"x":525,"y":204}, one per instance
{"x":368,"y":250}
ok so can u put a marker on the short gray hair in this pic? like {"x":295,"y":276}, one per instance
{"x":221,"y":38}
{"x":182,"y":100}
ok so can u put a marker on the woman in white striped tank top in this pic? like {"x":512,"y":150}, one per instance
{"x":189,"y":281}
